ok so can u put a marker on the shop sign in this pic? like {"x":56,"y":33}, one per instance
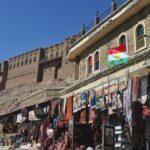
{"x":108,"y":137}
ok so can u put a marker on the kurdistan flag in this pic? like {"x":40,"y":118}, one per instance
{"x":117,"y":56}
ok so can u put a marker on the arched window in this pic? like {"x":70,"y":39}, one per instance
{"x":96,"y":61}
{"x":123,"y":40}
{"x":140,"y":41}
{"x":89,"y":65}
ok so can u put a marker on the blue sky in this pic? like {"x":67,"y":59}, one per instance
{"x":29,"y":24}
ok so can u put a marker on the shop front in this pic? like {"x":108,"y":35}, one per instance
{"x":41,"y":127}
{"x":120,"y":103}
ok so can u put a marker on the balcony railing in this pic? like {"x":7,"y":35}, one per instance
{"x":104,"y":16}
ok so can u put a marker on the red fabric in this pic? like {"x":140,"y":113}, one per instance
{"x":121,"y":48}
{"x":146,"y":111}
{"x":69,"y":108}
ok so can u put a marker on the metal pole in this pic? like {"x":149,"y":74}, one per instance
{"x":108,"y":93}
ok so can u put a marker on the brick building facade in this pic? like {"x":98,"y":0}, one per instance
{"x":38,"y":65}
{"x":129,"y":24}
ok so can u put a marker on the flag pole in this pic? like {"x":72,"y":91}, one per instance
{"x":108,"y":78}
{"x":108,"y":92}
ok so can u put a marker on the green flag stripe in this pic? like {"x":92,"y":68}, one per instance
{"x":118,"y":62}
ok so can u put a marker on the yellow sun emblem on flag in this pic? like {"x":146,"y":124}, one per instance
{"x":117,"y":56}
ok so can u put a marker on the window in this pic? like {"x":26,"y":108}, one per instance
{"x":26,"y":61}
{"x":34,"y":59}
{"x":123,"y":40}
{"x":21,"y":63}
{"x":51,"y":55}
{"x":46,"y":57}
{"x":140,"y":40}
{"x":14,"y":65}
{"x":96,"y":61}
{"x":30,"y":61}
{"x":17,"y":64}
{"x":10,"y":67}
{"x":89,"y":65}
{"x":57,"y":54}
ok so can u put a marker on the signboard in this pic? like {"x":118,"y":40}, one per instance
{"x":108,"y":137}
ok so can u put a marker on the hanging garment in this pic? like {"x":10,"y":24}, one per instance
{"x":100,"y":103}
{"x":91,"y":114}
{"x":105,"y":117}
{"x":37,"y":133}
{"x":108,"y":101}
{"x":84,"y":97}
{"x":83,"y":117}
{"x":46,"y":109}
{"x":114,"y":101}
{"x":24,"y":113}
{"x":135,"y":88}
{"x":69,"y":108}
{"x":92,"y":98}
{"x":32,"y":116}
{"x":127,"y":103}
{"x":122,"y":82}
{"x":119,"y":100}
{"x":39,"y":112}
{"x":144,"y":87}
{"x":50,"y":133}
{"x":76,"y":103}
{"x":99,"y":90}
{"x":19,"y":118}
{"x":54,"y":105}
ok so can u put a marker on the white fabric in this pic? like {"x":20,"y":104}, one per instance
{"x":64,"y":106}
{"x":50,"y":133}
{"x":19,"y":118}
{"x":32,"y":116}
{"x":117,"y":56}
